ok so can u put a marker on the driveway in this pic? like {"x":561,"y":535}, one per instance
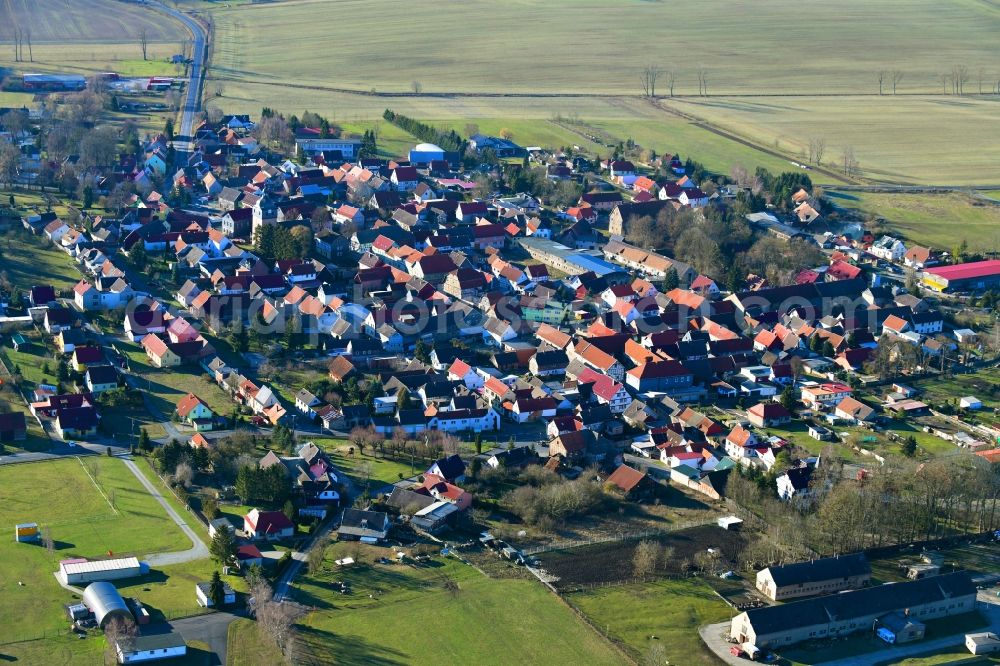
{"x":212,"y":629}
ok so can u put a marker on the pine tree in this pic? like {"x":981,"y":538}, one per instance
{"x":223,"y":547}
{"x":145,"y":443}
{"x":671,"y":280}
{"x":217,"y":590}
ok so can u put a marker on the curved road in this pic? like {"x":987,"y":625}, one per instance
{"x":198,"y":549}
{"x":192,"y":103}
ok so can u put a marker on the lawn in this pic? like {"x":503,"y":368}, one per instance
{"x":979,"y":384}
{"x":378,"y":469}
{"x":62,"y":650}
{"x":940,"y":221}
{"x":671,"y":610}
{"x":246,"y":647}
{"x":33,"y":260}
{"x":443,"y":611}
{"x":168,"y":591}
{"x":94,"y":507}
{"x":166,"y":386}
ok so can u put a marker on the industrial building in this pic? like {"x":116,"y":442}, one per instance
{"x":75,"y":572}
{"x":54,"y":82}
{"x":425,"y":153}
{"x":105,"y":603}
{"x":574,"y":262}
{"x":823,"y":576}
{"x":856,"y":611}
{"x":973,"y":276}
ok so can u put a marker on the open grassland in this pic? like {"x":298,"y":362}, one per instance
{"x":60,"y":21}
{"x":581,"y":57}
{"x":670,"y":610}
{"x":594,"y":46}
{"x":940,"y":221}
{"x":441,"y":611}
{"x":92,"y":506}
{"x":87,"y":36}
{"x":919,"y":139}
{"x":64,"y":650}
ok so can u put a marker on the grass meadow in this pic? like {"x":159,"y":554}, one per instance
{"x":440,"y":611}
{"x":940,"y":221}
{"x":632,"y":613}
{"x":93,"y":506}
{"x":584,"y":58}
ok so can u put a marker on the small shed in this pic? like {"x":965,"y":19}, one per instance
{"x":26,"y":532}
{"x":730,"y":523}
{"x":202,"y":592}
{"x":970,"y":402}
{"x":982,"y":643}
{"x":820,"y":433}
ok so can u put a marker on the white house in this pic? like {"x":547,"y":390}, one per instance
{"x":465,"y":420}
{"x":888,"y":248}
{"x":794,"y":483}
{"x":153,"y":647}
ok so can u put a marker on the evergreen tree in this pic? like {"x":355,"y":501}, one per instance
{"x":217,"y":590}
{"x":788,"y":400}
{"x":145,"y":443}
{"x":422,"y":352}
{"x":909,"y":446}
{"x":223,"y":546}
{"x":670,"y":280}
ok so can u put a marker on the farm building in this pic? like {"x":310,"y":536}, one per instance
{"x":153,"y":647}
{"x":970,"y":402}
{"x":425,"y":153}
{"x":105,"y":603}
{"x":74,"y":572}
{"x":823,"y":576}
{"x":58,"y":82}
{"x":971,"y":276}
{"x":858,"y":610}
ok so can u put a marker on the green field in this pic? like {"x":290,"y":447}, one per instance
{"x":580,"y":58}
{"x":89,"y":515}
{"x":442,"y":611}
{"x":168,"y":385}
{"x":671,"y":610}
{"x":940,"y":221}
{"x":34,"y":260}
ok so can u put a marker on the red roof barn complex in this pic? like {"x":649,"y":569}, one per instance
{"x":973,"y":276}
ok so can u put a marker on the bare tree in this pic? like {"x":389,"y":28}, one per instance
{"x":47,"y":540}
{"x":817,"y":146}
{"x":314,"y":558}
{"x":982,"y":77}
{"x":119,"y":632}
{"x":646,"y":558}
{"x":959,"y":77}
{"x":671,"y":79}
{"x":417,"y":87}
{"x":143,"y":42}
{"x":184,"y":475}
{"x":650,"y":74}
{"x":944,"y":79}
{"x":31,"y":56}
{"x":881,"y":75}
{"x":850,"y":162}
{"x":896,"y":76}
{"x":702,"y":82}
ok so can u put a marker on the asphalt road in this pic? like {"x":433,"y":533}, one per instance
{"x":212,"y":629}
{"x":192,"y":102}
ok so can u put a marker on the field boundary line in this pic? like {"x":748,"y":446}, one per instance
{"x":99,"y":489}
